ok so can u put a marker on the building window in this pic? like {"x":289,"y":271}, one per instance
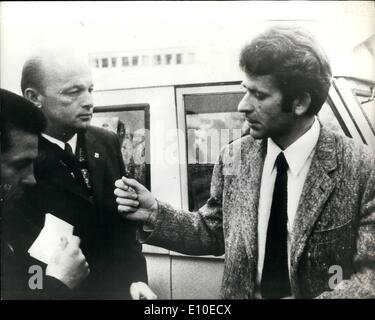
{"x":135,"y":60}
{"x":125,"y":61}
{"x":168,"y":59}
{"x":105,"y":62}
{"x":157,"y":59}
{"x":114,"y":62}
{"x":96,"y":63}
{"x":178,"y":58}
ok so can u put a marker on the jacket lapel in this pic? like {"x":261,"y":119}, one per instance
{"x":316,"y":191}
{"x":248,"y":201}
{"x":96,"y":162}
{"x":51,"y":167}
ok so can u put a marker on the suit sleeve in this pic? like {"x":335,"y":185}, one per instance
{"x":130,"y":257}
{"x":16,"y":277}
{"x":195,"y":233}
{"x":362,"y":283}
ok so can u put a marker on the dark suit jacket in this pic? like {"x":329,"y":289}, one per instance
{"x":334,"y":224}
{"x":108,"y":241}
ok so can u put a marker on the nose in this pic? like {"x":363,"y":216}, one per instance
{"x":87,"y":101}
{"x":245,"y":104}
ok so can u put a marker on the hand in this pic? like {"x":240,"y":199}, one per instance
{"x":68,"y":263}
{"x":135,"y":201}
{"x":141,"y":291}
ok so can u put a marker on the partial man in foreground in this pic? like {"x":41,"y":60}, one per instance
{"x":292,"y":205}
{"x":20,"y":124}
{"x":75,"y":165}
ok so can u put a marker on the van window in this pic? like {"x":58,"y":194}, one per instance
{"x":131,"y":124}
{"x":212,"y":121}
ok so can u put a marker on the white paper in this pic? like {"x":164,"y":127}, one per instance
{"x":49,"y":238}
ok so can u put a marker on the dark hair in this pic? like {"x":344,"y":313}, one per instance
{"x":32,"y":75}
{"x":296,"y":61}
{"x":17,"y":112}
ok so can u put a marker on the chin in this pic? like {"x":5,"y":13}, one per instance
{"x":83,"y":127}
{"x":256,"y":134}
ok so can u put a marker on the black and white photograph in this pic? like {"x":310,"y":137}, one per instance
{"x":187,"y":150}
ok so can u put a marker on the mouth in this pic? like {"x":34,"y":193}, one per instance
{"x":85,"y":116}
{"x":252,"y":122}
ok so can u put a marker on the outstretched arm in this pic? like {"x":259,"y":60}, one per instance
{"x":198,"y":233}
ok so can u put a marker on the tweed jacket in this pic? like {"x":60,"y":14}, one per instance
{"x":334,"y":223}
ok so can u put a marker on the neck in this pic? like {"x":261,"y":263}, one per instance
{"x":62,"y":135}
{"x":299,"y":128}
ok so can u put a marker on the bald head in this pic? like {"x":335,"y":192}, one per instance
{"x":39,"y":66}
{"x":32,"y":74}
{"x":60,"y":83}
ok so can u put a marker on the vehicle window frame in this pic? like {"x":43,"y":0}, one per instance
{"x":181,"y":91}
{"x":366,"y":94}
{"x":354,"y":110}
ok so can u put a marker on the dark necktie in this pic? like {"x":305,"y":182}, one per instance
{"x":69,"y":149}
{"x":275,"y":276}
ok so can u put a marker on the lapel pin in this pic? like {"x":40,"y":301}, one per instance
{"x":96,"y":155}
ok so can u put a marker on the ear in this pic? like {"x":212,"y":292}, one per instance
{"x":34,"y":96}
{"x":301,"y":104}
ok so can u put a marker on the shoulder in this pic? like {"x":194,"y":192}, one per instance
{"x":239,"y":153}
{"x":103,"y":140}
{"x":101,"y":134}
{"x":351,"y":153}
{"x":242,"y":145}
{"x":354,"y":149}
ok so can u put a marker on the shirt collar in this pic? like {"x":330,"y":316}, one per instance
{"x":72,"y":141}
{"x":298,"y":152}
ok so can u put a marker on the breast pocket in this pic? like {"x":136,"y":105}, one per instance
{"x":330,"y":247}
{"x":333,"y":234}
{"x":327,"y":249}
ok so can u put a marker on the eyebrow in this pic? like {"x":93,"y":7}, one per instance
{"x":253,"y":90}
{"x":75,"y":86}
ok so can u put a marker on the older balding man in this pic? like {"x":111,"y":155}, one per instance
{"x":75,"y":164}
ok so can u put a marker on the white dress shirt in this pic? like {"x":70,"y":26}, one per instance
{"x":72,"y":141}
{"x":299,"y":156}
